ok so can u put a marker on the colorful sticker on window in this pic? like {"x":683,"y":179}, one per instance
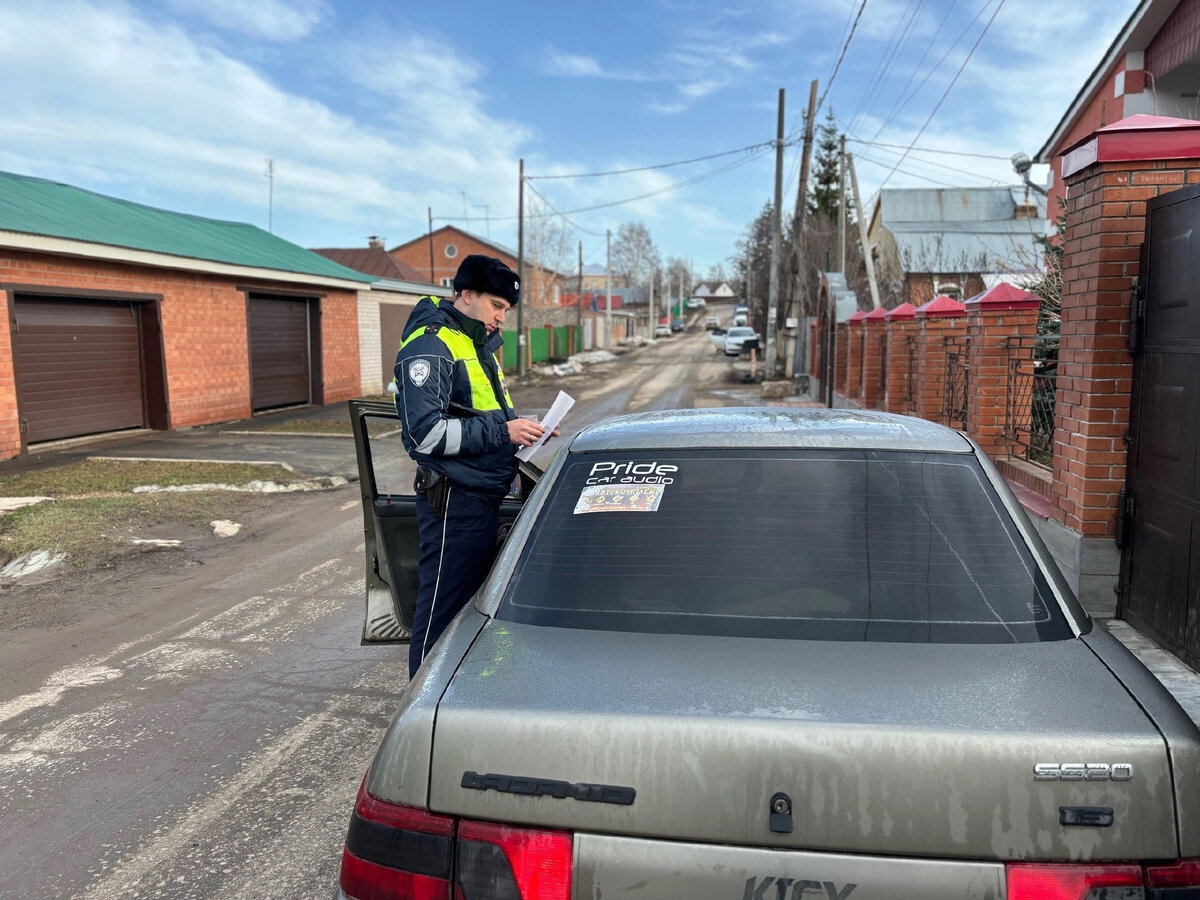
{"x":620,"y":498}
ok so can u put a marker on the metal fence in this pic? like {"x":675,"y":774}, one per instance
{"x":957,"y":383}
{"x":1029,"y":398}
{"x":910,"y":375}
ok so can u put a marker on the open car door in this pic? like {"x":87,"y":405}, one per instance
{"x":385,"y":474}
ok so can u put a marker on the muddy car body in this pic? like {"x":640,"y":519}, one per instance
{"x":770,"y":653}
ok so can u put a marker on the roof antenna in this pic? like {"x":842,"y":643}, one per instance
{"x":270,"y":173}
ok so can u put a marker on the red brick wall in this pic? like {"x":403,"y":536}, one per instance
{"x":853,"y":361}
{"x":1105,"y":230}
{"x":874,"y":335}
{"x":899,"y":335}
{"x":989,"y":331}
{"x":339,"y":346}
{"x":205,"y":344}
{"x":930,"y":389}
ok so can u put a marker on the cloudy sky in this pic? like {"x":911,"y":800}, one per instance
{"x":373,"y":111}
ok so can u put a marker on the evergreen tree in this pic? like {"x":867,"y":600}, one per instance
{"x":825,"y":180}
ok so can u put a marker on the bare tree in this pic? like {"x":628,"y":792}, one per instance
{"x":634,"y":254}
{"x":549,"y":246}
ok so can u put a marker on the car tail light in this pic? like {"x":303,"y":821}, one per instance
{"x":1170,"y":878}
{"x":396,"y":852}
{"x":1067,"y":882}
{"x":499,"y":862}
{"x":1173,"y":881}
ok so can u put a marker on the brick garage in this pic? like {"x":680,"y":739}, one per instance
{"x":192,"y":312}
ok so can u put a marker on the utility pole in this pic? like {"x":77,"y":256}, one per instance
{"x":862,"y":235}
{"x":579,"y":301}
{"x":797,"y":254}
{"x":842,"y":207}
{"x":651,"y":323}
{"x":520,"y":264}
{"x":608,"y":288}
{"x":270,"y":196}
{"x":776,"y":228}
{"x":429,"y":209}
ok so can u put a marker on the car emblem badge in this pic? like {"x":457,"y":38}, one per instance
{"x":418,"y":372}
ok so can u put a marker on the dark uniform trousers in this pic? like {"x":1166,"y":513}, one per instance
{"x":456,"y":553}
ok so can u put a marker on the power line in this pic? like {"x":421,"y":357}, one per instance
{"x":897,"y":109}
{"x":855,"y":140}
{"x":663,"y":190}
{"x":949,"y":87}
{"x":885,"y":165}
{"x":887,"y":62}
{"x":681,"y":162}
{"x":897,"y":106}
{"x":562,"y":215}
{"x":842,"y":55}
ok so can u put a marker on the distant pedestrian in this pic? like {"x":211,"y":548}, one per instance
{"x":460,"y":428}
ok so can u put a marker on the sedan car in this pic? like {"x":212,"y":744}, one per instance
{"x":662,"y":331}
{"x":884,"y":690}
{"x":736,"y":336}
{"x":712,"y":322}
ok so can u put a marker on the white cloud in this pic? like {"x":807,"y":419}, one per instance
{"x":115,"y":102}
{"x":275,"y":20}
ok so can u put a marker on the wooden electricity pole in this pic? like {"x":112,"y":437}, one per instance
{"x":520,"y":264}
{"x":862,"y":235}
{"x":776,"y":227}
{"x":797,"y":251}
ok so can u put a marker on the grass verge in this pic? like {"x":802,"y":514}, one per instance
{"x":91,"y":476}
{"x":96,"y":530}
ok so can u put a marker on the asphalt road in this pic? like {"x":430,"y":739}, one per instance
{"x":195,"y":722}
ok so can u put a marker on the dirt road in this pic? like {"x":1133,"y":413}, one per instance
{"x":195,"y":722}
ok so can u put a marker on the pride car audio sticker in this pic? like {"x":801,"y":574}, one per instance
{"x":625,"y":487}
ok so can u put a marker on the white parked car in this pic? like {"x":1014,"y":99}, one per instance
{"x":662,"y":331}
{"x":696,"y":303}
{"x":736,"y":336}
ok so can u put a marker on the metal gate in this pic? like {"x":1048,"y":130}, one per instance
{"x":280,"y":350}
{"x":78,"y":366}
{"x":1159,"y":522}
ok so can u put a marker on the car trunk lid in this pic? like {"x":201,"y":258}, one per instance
{"x":885,"y":748}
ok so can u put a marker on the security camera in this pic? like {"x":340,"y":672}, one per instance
{"x":1021,"y":164}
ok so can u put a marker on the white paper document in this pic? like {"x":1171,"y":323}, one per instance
{"x":558,"y":409}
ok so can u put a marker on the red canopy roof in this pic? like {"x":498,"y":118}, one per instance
{"x":903,"y":311}
{"x":1005,"y":296}
{"x":941,"y":306}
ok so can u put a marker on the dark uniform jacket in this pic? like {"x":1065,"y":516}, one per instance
{"x":451,"y":399}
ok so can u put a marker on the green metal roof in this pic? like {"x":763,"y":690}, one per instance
{"x":48,"y":208}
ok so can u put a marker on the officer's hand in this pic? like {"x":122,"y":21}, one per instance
{"x":523,"y":432}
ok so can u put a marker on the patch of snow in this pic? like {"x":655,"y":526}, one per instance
{"x":324,"y":483}
{"x":154,"y":542}
{"x":28,"y":563}
{"x":592,"y":357}
{"x":8,"y":504}
{"x":223,"y":528}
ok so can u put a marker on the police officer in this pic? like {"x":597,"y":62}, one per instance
{"x":459,"y":426}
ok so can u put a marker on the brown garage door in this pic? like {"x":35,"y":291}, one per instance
{"x":279,"y":357}
{"x":78,"y":367}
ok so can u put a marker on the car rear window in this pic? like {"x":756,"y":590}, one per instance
{"x":814,"y":545}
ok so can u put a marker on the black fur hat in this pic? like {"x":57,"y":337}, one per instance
{"x":489,"y":276}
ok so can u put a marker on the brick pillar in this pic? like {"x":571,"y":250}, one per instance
{"x":901,"y":328}
{"x":939,"y":319}
{"x":994,"y":319}
{"x":1109,"y":178}
{"x":854,"y":356}
{"x":873,"y":361}
{"x":840,"y":342}
{"x":10,"y":421}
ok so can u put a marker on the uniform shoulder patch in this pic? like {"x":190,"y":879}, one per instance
{"x":418,"y":371}
{"x":433,"y":329}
